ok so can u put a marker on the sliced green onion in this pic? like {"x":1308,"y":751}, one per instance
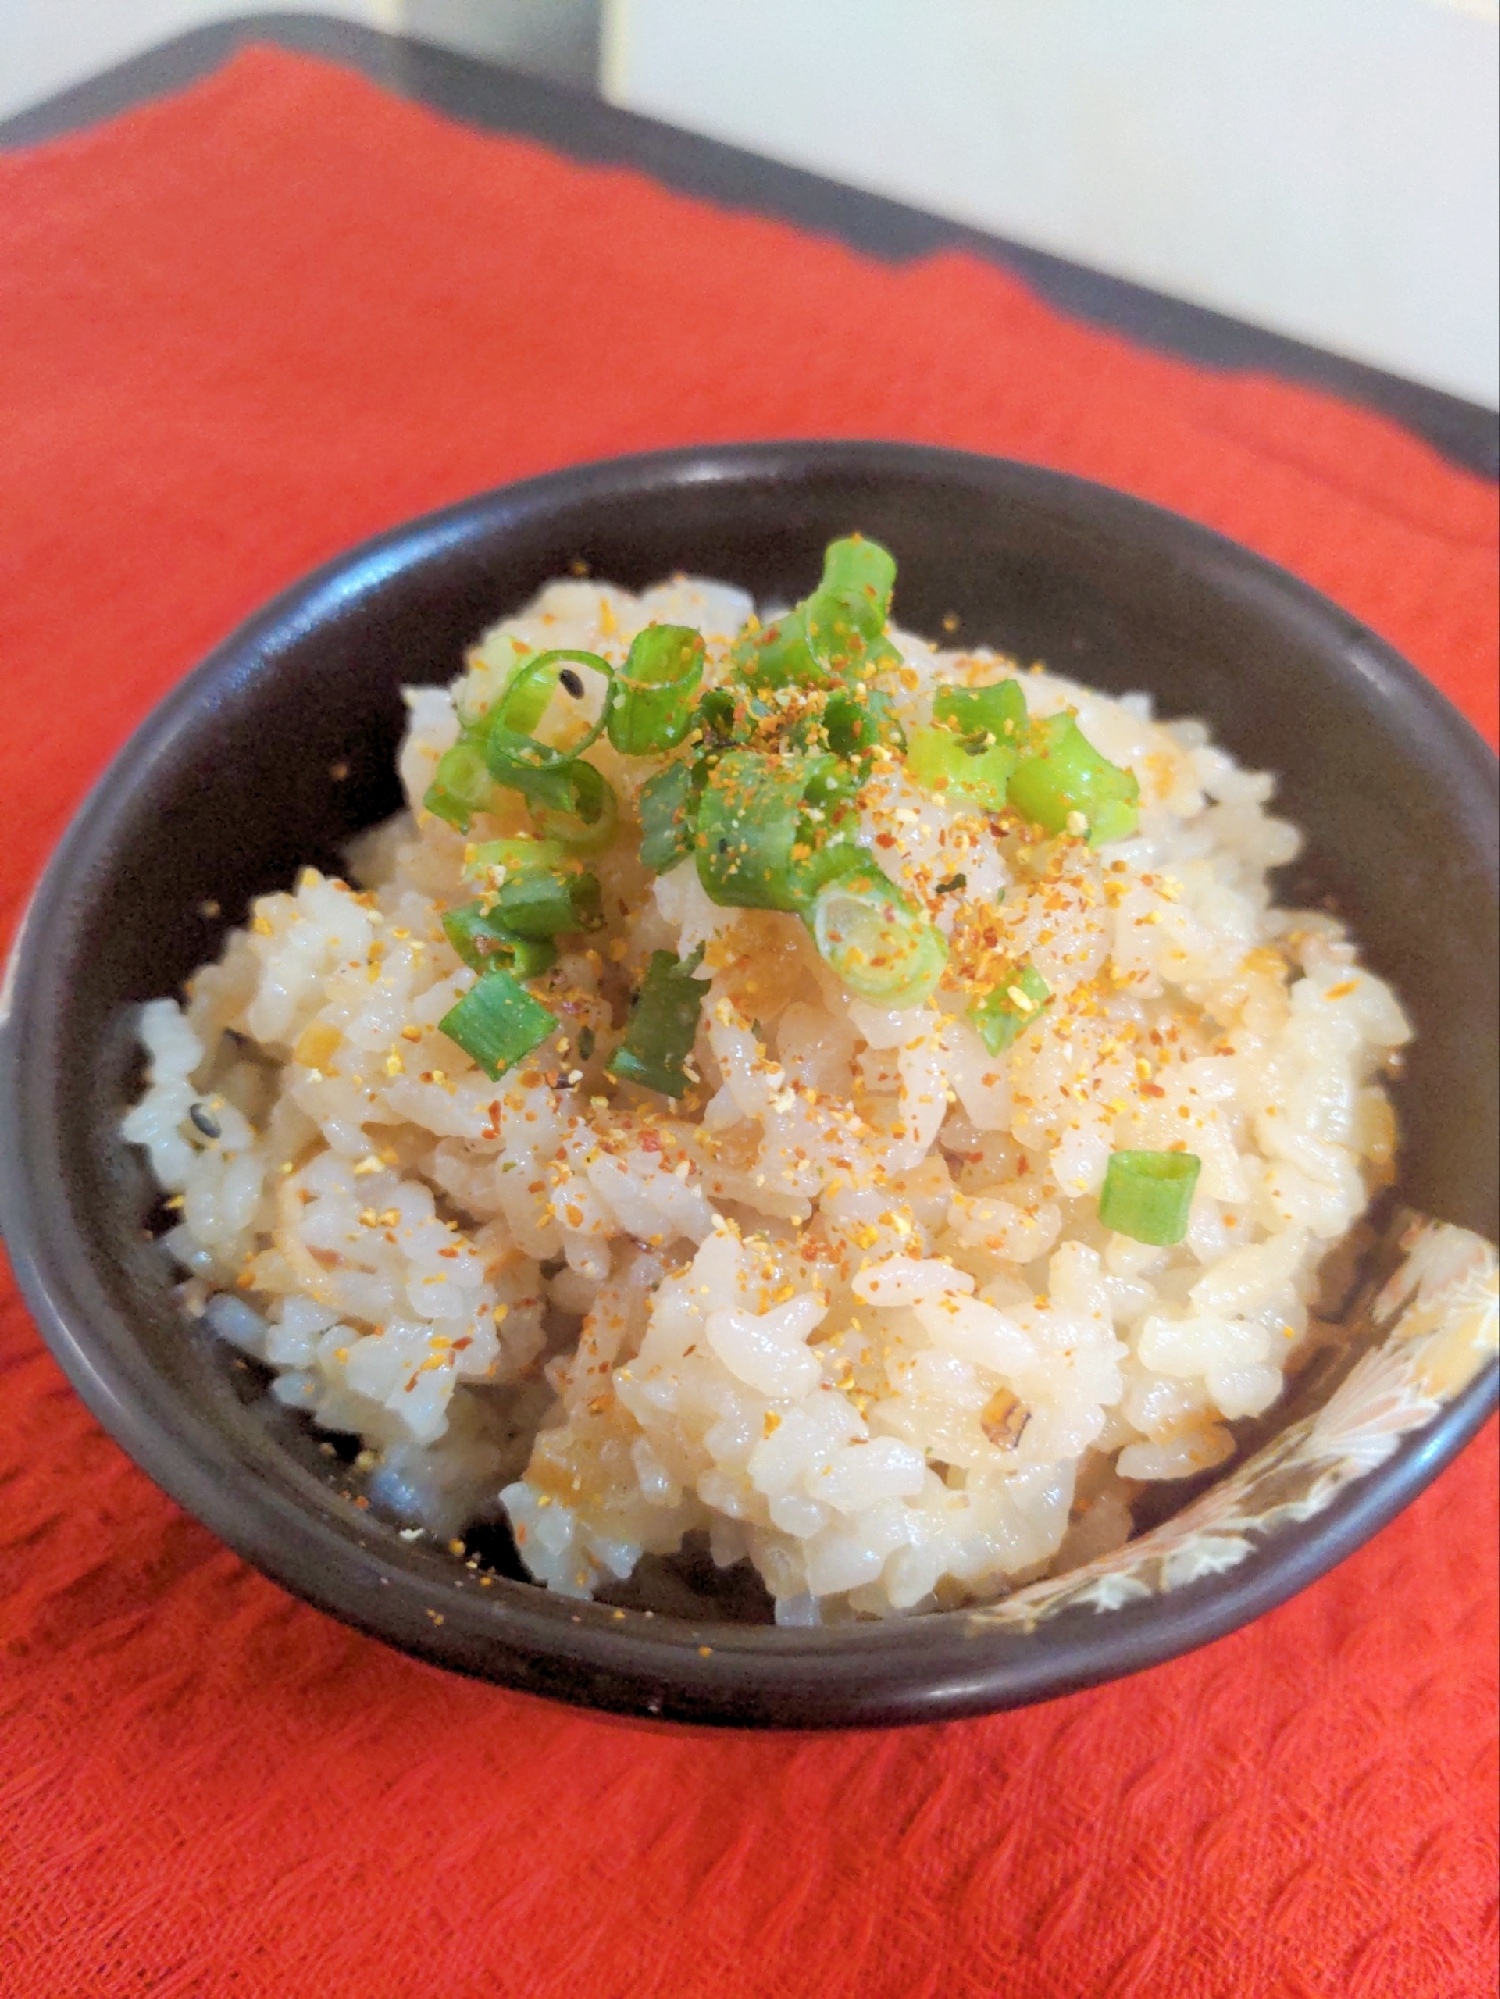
{"x":668,"y":808}
{"x":1061,"y":775}
{"x":876,"y":938}
{"x":846,"y":615}
{"x":998,"y":711}
{"x":586,"y":823}
{"x":573,"y":803}
{"x":829,"y":861}
{"x":461,"y":785}
{"x":971,"y":752}
{"x":779,"y":655}
{"x":757,"y":837}
{"x":510,"y":738}
{"x":748,"y":823}
{"x":960,"y":767}
{"x":534,"y":905}
{"x":721,"y":714}
{"x":1147,"y":1195}
{"x":836,"y":632}
{"x":552,"y":787}
{"x":482,"y":941}
{"x":663,"y":1025}
{"x":1013,"y":1005}
{"x":523,"y":694}
{"x":651,"y":701}
{"x":1113,"y":819}
{"x":832,"y":785}
{"x":859,"y":575}
{"x":498,"y":858}
{"x":497,"y":1022}
{"x":534,"y":887}
{"x":856,"y":720}
{"x":546,"y":904}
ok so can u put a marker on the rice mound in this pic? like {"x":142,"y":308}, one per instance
{"x":849,"y":1308}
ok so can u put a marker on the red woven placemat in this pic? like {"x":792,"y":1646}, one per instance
{"x":238,"y":331}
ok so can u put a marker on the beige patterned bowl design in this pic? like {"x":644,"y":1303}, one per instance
{"x":1418,"y":1334}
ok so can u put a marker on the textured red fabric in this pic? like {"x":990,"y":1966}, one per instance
{"x":238,"y":331}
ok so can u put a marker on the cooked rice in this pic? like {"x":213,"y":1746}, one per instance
{"x":852,"y":1311}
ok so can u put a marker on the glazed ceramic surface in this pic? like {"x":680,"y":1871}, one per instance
{"x":283,"y":744}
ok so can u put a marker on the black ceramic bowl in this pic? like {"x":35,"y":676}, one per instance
{"x":227,"y":789}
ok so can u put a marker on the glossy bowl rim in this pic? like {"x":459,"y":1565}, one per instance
{"x":933,"y":1667}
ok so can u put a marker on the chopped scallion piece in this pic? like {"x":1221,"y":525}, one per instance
{"x":574,"y":803}
{"x":461,"y":785}
{"x":829,"y":861}
{"x":971,"y":753}
{"x":1147,"y":1195}
{"x":721,"y":714}
{"x":534,"y":887}
{"x":757,"y":843}
{"x":510,"y":738}
{"x":779,"y":655}
{"x":668,"y":809}
{"x":1112,"y":819}
{"x":523,"y":694}
{"x":534,"y":905}
{"x":856,"y":721}
{"x":651,"y":703}
{"x":663,"y":1025}
{"x":497,"y":1022}
{"x":482,"y":941}
{"x":586,"y":823}
{"x":1013,"y":1005}
{"x":588,"y":901}
{"x":487,"y":864}
{"x":551,"y":787}
{"x":960,"y":767}
{"x":860,"y":574}
{"x":544,"y":904}
{"x":747,"y":826}
{"x":836,"y":633}
{"x":1061,"y":774}
{"x":847,"y":613}
{"x":998,"y":711}
{"x":876,"y":939}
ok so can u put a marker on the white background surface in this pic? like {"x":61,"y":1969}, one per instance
{"x":1326,"y":168}
{"x":46,"y":45}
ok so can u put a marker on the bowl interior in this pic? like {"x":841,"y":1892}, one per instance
{"x":283,"y":746}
